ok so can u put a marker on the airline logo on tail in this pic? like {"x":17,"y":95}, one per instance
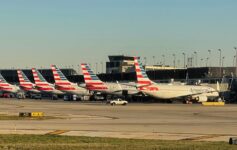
{"x":2,"y":80}
{"x":25,"y":83}
{"x":143,"y":81}
{"x":61,"y":81}
{"x":4,"y":85}
{"x":40,"y":81}
{"x":59,"y":77}
{"x":91,"y":79}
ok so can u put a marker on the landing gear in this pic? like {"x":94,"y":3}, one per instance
{"x":21,"y":96}
{"x":187,"y":100}
{"x":54,"y":97}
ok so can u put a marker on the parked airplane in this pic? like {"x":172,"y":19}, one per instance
{"x":165,"y":91}
{"x":62,"y":84}
{"x":25,"y":83}
{"x":93,"y":83}
{"x":5,"y":87}
{"x":43,"y":85}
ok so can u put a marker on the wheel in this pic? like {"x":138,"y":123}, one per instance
{"x":113,"y":104}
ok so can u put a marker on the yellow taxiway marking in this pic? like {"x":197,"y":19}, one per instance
{"x":57,"y":132}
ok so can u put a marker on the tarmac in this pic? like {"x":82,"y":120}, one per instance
{"x":137,"y":121}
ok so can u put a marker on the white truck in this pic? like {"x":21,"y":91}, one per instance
{"x":118,"y":102}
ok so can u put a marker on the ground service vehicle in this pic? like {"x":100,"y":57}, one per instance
{"x":118,"y":102}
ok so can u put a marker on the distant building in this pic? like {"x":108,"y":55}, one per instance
{"x":125,"y":64}
{"x":159,"y":67}
{"x":120,"y":64}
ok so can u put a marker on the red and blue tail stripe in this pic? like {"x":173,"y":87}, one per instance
{"x":59,"y":77}
{"x":40,"y":81}
{"x":142,"y":79}
{"x":61,"y":82}
{"x":91,"y":79}
{"x":2,"y":79}
{"x":25,"y":83}
{"x":4,"y":85}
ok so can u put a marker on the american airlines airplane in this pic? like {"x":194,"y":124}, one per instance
{"x":62,"y":84}
{"x":42,"y":85}
{"x":165,"y":91}
{"x":93,"y":83}
{"x":25,"y":83}
{"x":5,"y":87}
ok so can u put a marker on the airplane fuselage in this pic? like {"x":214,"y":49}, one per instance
{"x":164,"y":91}
{"x":118,"y":89}
{"x":8,"y":88}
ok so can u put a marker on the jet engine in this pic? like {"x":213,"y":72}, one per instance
{"x":200,"y":98}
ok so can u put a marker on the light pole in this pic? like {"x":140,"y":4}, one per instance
{"x":184,"y":59}
{"x":102,"y":67}
{"x":163,"y":60}
{"x":145,"y":60}
{"x":174,"y":60}
{"x":207,"y":61}
{"x":209,"y":51}
{"x":223,"y":58}
{"x":223,"y":71}
{"x":236,"y":61}
{"x":196,"y":61}
{"x":201,"y":62}
{"x":220,"y":61}
{"x":154,"y":60}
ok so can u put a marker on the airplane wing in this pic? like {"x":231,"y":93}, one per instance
{"x":195,"y":94}
{"x":135,"y":85}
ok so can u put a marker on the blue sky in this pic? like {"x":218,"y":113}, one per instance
{"x":68,"y":32}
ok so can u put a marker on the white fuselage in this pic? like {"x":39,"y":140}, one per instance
{"x":166,"y":91}
{"x":10,"y":88}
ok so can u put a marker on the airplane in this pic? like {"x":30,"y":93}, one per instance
{"x":62,"y":84}
{"x":165,"y":91}
{"x":6,"y":87}
{"x":44,"y":86}
{"x":25,"y":83}
{"x":93,"y":83}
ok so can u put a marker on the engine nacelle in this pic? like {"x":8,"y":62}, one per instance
{"x":200,"y":98}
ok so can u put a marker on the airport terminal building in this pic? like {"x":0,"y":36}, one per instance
{"x":121,"y":68}
{"x":162,"y":74}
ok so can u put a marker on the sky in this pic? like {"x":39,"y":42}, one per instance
{"x":69,"y":32}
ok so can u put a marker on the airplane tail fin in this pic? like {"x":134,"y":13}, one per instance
{"x":39,"y":79}
{"x":4,"y":84}
{"x":2,"y":79}
{"x":142,"y":77}
{"x":24,"y":81}
{"x":91,"y":79}
{"x":59,"y":77}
